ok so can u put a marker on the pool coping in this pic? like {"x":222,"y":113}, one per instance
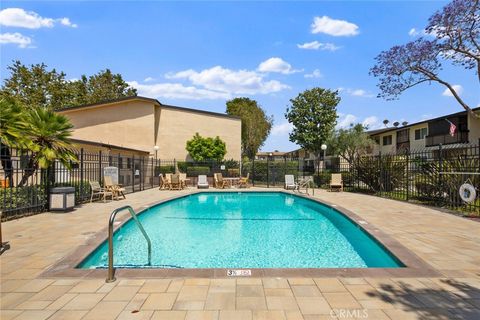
{"x":414,"y":265}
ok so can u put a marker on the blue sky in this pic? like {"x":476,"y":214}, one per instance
{"x":200,"y":54}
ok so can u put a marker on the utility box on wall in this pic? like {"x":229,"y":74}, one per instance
{"x":62,"y":199}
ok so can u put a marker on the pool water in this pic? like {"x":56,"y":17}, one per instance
{"x":244,"y":230}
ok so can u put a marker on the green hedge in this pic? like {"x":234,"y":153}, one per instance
{"x":276,"y":168}
{"x":197,"y":170}
{"x":164,"y":169}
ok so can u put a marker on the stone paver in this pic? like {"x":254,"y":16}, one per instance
{"x":446,"y":242}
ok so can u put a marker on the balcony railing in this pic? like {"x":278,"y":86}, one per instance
{"x":458,"y":137}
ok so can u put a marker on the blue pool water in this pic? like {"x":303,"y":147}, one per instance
{"x":244,"y":230}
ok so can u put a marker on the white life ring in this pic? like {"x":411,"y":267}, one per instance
{"x":467,"y":192}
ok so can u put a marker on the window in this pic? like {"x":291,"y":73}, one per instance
{"x":377,"y":140}
{"x":387,"y":140}
{"x":403,"y":136}
{"x":421,"y":133}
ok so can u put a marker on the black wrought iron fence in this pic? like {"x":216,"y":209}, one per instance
{"x":430,"y":176}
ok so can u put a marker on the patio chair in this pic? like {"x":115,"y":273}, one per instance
{"x":97,"y":190}
{"x":183,"y":180}
{"x":336,"y":182}
{"x":202,"y":182}
{"x":116,"y":189}
{"x":304,"y":183}
{"x":164,"y":184}
{"x":218,"y":181}
{"x":175,"y":183}
{"x":243,"y":182}
{"x":290,"y":182}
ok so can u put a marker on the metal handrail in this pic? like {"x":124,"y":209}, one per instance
{"x":111,"y":276}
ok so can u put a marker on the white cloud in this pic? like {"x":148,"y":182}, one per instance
{"x":458,"y":89}
{"x":345,"y":120}
{"x":230,"y":81}
{"x":276,"y":64}
{"x":315,"y":45}
{"x":16,"y":38}
{"x":67,"y":22}
{"x":413,"y":32}
{"x":315,"y":74}
{"x":372,"y":123}
{"x":282,"y":129}
{"x":356,"y":92}
{"x":334,"y":27}
{"x":17,"y":17}
{"x":177,"y":91}
{"x":148,"y":79}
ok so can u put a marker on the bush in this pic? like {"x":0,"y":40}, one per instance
{"x":197,"y":170}
{"x":322,"y":179}
{"x":386,"y":174}
{"x":277,"y":170}
{"x":21,"y":198}
{"x":164,"y":169}
{"x":82,"y":190}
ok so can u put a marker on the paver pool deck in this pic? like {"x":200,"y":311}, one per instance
{"x":446,"y":243}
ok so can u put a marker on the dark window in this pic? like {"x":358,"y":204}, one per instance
{"x":377,"y":140}
{"x":403,"y":135}
{"x":387,"y":140}
{"x":120,"y":162}
{"x":421,"y":133}
{"x":129,"y":163}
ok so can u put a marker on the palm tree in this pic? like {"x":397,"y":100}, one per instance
{"x":11,"y":128}
{"x":48,"y":136}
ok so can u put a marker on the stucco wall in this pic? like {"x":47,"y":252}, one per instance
{"x":474,"y":127}
{"x":127,"y":124}
{"x":178,"y":126}
{"x":142,"y":124}
{"x":417,"y":144}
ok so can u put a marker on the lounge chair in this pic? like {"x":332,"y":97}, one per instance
{"x":116,"y":189}
{"x":290,"y":182}
{"x":97,"y":190}
{"x":219,"y":182}
{"x":336,"y":182}
{"x":243,"y":182}
{"x":175,"y":183}
{"x":202,"y":182}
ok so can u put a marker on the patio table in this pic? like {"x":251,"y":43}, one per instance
{"x":231,"y":181}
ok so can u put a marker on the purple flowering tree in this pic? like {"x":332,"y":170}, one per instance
{"x":456,"y":39}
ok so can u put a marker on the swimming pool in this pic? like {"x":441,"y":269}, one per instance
{"x":244,"y":230}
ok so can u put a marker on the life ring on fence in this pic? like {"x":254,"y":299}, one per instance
{"x":467,"y":192}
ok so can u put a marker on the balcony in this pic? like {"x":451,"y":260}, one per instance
{"x":458,"y":137}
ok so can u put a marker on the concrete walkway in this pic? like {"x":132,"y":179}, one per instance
{"x":448,"y":243}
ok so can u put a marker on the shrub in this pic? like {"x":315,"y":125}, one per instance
{"x":385,"y":174}
{"x":164,"y":169}
{"x":197,"y":170}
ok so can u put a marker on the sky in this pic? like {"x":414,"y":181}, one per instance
{"x":201,"y":54}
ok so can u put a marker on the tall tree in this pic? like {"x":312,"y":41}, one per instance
{"x":36,"y":86}
{"x":456,"y":32}
{"x":313,"y":114}
{"x":256,"y":125}
{"x":351,"y":143}
{"x":102,"y":86}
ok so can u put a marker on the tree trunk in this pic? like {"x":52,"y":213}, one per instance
{"x":6,"y":160}
{"x":29,"y":171}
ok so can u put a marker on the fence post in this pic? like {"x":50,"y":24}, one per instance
{"x":100,"y":167}
{"x":380,"y":172}
{"x":153,"y":172}
{"x":81,"y":176}
{"x":440,"y":166}
{"x":133,"y":173}
{"x":253,"y":172}
{"x":407,"y":173}
{"x":268,"y":169}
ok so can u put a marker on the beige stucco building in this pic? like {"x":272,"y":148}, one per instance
{"x":140,"y":124}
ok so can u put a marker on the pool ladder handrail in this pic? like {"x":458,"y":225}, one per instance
{"x":111,"y":271}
